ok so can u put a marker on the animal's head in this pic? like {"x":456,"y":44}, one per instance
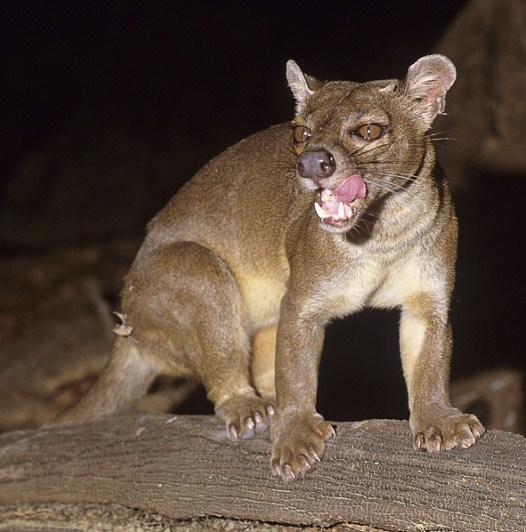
{"x":358,"y":142}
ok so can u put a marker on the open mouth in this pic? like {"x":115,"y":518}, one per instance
{"x":339,"y":205}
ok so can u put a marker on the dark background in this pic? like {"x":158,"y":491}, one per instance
{"x":108,"y":107}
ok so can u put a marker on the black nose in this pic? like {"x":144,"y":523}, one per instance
{"x":316,"y":165}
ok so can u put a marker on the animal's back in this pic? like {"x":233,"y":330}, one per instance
{"x":233,"y":199}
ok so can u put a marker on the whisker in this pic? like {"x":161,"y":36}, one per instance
{"x":439,"y":135}
{"x":294,"y":187}
{"x":371,"y":214}
{"x":386,"y":187}
{"x":406,"y":177}
{"x":361,"y":228}
{"x":361,"y":150}
{"x":387,"y":163}
{"x":440,"y":139}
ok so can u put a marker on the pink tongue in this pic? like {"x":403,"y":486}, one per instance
{"x":352,"y":188}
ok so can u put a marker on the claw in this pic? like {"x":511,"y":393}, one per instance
{"x":478,"y":431}
{"x":305,"y":462}
{"x":315,"y":455}
{"x":420,"y":442}
{"x":232,"y":432}
{"x":436,"y":442}
{"x":287,"y":473}
{"x":249,"y":423}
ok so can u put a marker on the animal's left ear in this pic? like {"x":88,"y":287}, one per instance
{"x":426,"y":84}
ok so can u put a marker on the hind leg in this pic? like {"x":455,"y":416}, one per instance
{"x":185,"y":295}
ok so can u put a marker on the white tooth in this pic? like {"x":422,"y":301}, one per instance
{"x":341,"y":210}
{"x":326,"y":195}
{"x":348,"y":211}
{"x":320,"y":211}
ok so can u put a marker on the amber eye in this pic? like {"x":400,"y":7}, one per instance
{"x":301,"y":134}
{"x":369,"y":131}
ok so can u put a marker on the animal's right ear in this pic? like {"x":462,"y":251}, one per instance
{"x":302,"y":86}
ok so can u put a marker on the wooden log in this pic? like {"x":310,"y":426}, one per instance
{"x":185,"y":468}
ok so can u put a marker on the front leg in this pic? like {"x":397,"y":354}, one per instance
{"x":298,"y":431}
{"x":426,"y":344}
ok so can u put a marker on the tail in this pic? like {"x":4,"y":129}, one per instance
{"x":126,"y":377}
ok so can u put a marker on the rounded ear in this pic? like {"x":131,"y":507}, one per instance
{"x":302,"y":86}
{"x":426,"y":84}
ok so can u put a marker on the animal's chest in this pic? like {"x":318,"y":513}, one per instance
{"x":383,"y":282}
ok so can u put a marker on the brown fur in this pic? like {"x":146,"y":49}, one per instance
{"x":240,"y":253}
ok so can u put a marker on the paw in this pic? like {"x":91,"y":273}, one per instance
{"x":446,"y":431}
{"x":245,"y":415}
{"x":298,"y":444}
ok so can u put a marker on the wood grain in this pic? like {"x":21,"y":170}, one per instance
{"x":186,"y":467}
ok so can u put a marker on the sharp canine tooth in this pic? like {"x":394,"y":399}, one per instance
{"x":320,"y":211}
{"x":341,"y":210}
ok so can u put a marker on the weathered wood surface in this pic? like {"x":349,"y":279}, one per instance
{"x":186,"y":467}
